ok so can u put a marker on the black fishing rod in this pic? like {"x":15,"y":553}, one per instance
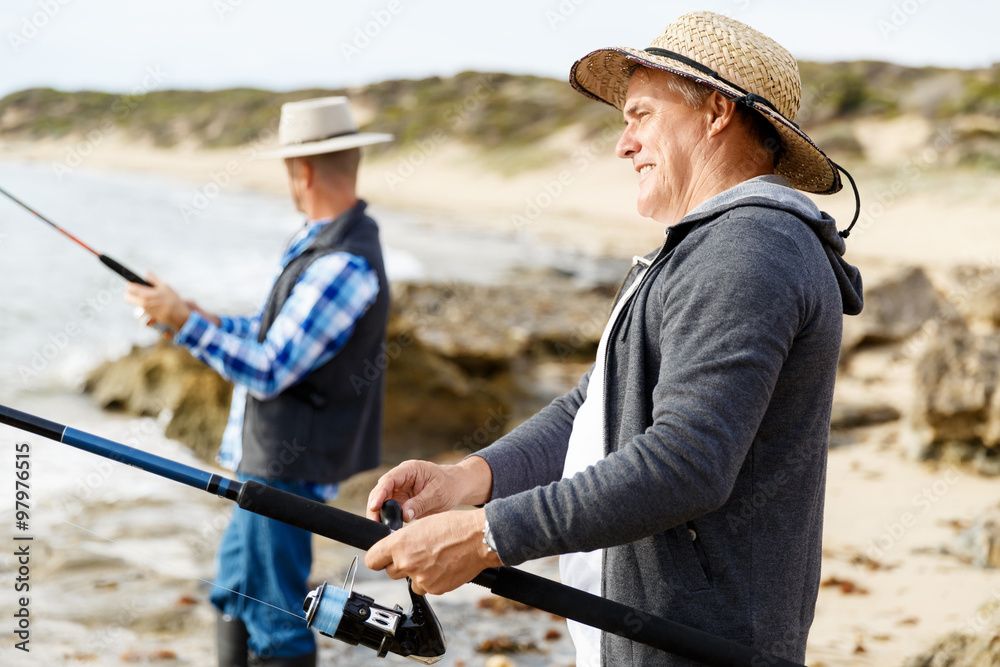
{"x":124,"y":272}
{"x":356,"y":619}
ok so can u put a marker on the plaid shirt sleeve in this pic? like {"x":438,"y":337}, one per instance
{"x":314,"y":324}
{"x":237,"y":325}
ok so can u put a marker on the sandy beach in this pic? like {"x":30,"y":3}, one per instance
{"x":892,"y":582}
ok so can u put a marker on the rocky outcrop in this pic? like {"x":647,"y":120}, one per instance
{"x":979,"y":543}
{"x":845,"y":416}
{"x":457,"y":363}
{"x":895,"y":308}
{"x":163,"y":377}
{"x":956,"y":411}
{"x":975,"y":292}
{"x":976,"y":644}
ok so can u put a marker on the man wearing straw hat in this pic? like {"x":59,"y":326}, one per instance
{"x":296,"y":421}
{"x":684,"y":475}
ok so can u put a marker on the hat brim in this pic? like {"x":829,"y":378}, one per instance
{"x":603,"y":75}
{"x":333,"y":145}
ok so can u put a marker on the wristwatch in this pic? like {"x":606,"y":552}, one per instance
{"x":488,"y":540}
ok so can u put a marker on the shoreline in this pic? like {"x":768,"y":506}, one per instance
{"x":583,"y":198}
{"x":555,"y":206}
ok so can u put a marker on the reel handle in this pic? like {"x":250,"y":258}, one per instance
{"x":392,"y":514}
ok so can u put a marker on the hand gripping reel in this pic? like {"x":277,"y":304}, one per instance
{"x":356,"y":619}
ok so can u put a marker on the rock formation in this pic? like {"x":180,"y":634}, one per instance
{"x":457,"y":361}
{"x":895,"y":308}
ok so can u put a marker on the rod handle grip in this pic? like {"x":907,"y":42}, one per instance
{"x":316,"y":517}
{"x":31,"y":423}
{"x":124,"y":272}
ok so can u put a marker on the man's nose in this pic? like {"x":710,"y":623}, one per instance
{"x":627,"y":145}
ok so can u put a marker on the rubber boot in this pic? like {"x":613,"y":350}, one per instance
{"x":308,"y":660}
{"x":231,"y":638}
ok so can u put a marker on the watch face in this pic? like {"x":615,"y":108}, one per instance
{"x":488,"y":537}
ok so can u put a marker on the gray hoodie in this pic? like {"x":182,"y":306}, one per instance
{"x":719,"y":376}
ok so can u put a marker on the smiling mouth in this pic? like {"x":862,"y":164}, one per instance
{"x":644,"y":169}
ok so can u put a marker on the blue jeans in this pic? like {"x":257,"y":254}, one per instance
{"x":268,"y":560}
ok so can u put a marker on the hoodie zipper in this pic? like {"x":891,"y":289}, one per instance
{"x":620,"y":308}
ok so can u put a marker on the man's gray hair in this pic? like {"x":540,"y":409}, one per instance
{"x":694,"y":95}
{"x":342,"y":163}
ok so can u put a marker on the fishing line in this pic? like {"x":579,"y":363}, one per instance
{"x":187,"y":575}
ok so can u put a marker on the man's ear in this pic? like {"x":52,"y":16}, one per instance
{"x":719,"y":112}
{"x":306,"y":172}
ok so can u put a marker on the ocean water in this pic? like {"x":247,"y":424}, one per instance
{"x":62,"y":311}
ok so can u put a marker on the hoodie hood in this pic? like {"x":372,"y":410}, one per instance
{"x":776,"y":192}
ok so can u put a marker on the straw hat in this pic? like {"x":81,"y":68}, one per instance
{"x":734,"y":59}
{"x":317,"y":126}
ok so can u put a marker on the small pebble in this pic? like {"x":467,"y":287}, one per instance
{"x":500,"y":661}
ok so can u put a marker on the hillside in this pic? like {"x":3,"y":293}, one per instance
{"x":505,"y":114}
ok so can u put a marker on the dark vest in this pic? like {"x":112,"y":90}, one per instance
{"x":328,"y":426}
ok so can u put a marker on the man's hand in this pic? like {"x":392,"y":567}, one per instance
{"x":423,"y":488}
{"x":160,"y":301}
{"x":438,"y":554}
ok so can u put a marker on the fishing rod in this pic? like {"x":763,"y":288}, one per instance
{"x":356,"y":619}
{"x":115,"y":266}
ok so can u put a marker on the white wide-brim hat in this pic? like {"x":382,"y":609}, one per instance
{"x":317,"y":126}
{"x":731,"y":57}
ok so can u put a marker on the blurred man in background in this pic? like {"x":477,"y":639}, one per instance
{"x":297,"y":422}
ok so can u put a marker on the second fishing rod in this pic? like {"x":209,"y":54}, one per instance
{"x":109,"y":262}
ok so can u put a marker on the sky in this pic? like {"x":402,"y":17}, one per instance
{"x":136,"y":45}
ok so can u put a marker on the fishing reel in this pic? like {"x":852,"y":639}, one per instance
{"x":356,"y":619}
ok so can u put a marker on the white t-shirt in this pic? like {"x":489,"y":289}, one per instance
{"x":586,"y":447}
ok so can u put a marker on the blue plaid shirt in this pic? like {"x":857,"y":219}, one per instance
{"x":314,"y":324}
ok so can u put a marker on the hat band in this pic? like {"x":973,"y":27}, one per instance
{"x":747,"y":98}
{"x":331,"y":136}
